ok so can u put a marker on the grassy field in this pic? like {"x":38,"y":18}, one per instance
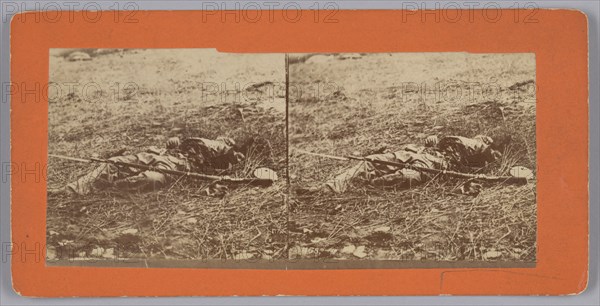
{"x":352,"y":104}
{"x":357,"y":104}
{"x":134,"y":99}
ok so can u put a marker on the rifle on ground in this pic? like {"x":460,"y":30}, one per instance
{"x":516,"y":179}
{"x":205,"y":177}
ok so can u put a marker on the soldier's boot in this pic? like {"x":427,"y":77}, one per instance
{"x":404,"y":178}
{"x":145,"y":181}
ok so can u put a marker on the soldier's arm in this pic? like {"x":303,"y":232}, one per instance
{"x":173,"y":143}
{"x":431,"y":141}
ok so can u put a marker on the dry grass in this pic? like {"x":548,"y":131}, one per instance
{"x":361,"y":106}
{"x":368,"y":107}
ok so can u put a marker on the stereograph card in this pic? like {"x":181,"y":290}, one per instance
{"x":380,"y":154}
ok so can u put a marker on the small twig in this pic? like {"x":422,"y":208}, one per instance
{"x":255,"y":237}
{"x":504,"y":236}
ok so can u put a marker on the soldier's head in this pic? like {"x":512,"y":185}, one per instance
{"x":496,"y":155}
{"x":239,"y":157}
{"x":485,"y":139}
{"x":489,"y":154}
{"x":227,"y":140}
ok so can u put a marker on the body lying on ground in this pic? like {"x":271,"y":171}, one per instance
{"x":448,"y":153}
{"x":191,"y":154}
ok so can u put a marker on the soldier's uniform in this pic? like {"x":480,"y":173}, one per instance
{"x":452,"y":152}
{"x":192,"y":154}
{"x":463,"y":152}
{"x":383,"y":175}
{"x":107,"y":175}
{"x":207,"y":153}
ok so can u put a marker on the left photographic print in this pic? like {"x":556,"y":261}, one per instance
{"x":159,"y":155}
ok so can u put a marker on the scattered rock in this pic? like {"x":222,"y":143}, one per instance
{"x":332,"y":251}
{"x":383,"y":229}
{"x":78,"y":56}
{"x":192,"y":220}
{"x":349,"y":249}
{"x":51,"y":253}
{"x":319,"y":58}
{"x":97,"y":252}
{"x":53,"y":233}
{"x":65,"y":242}
{"x":516,"y":253}
{"x":131,"y":231}
{"x":307,"y":231}
{"x":318,"y":239}
{"x":104,"y":51}
{"x":491,"y":255}
{"x":360,"y":252}
{"x":383,"y":254}
{"x":109,"y":253}
{"x":243,"y":255}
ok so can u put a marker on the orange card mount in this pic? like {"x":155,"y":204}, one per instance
{"x":557,"y":38}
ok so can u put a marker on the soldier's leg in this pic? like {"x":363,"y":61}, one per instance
{"x":404,"y":178}
{"x":145,"y":181}
{"x":151,"y":180}
{"x":341,"y":182}
{"x":99,"y":178}
{"x":86,"y":183}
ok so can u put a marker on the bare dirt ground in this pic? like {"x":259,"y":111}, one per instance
{"x":134,"y":99}
{"x":356,"y":104}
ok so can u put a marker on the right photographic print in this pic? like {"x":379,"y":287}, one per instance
{"x":416,"y":157}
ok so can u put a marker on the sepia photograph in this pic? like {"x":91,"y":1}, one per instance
{"x":165,"y":154}
{"x":158,"y":156}
{"x":427,"y":157}
{"x":308,"y":151}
